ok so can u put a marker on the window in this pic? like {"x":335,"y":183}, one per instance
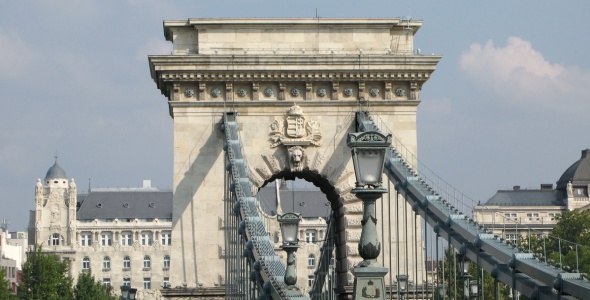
{"x":511,"y":237}
{"x":127,"y":281}
{"x":147,"y":283}
{"x":147,"y":262}
{"x":166,"y":282}
{"x":146,"y":238}
{"x":310,"y":280}
{"x":86,"y":263}
{"x":106,"y":263}
{"x":86,"y":239}
{"x":126,"y":238}
{"x":311,"y":261}
{"x":166,"y":262}
{"x":311,"y":236}
{"x":106,"y":282}
{"x":532,"y":215}
{"x":55,"y":239}
{"x":166,"y":238}
{"x":510,"y":216}
{"x":126,"y":262}
{"x":106,"y":239}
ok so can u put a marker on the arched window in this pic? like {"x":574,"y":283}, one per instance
{"x":166,"y":262}
{"x":106,"y":263}
{"x":126,"y":262}
{"x":311,"y":261}
{"x":147,"y":262}
{"x":86,"y":263}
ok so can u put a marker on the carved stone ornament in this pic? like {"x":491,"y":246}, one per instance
{"x":296,"y":158}
{"x":215,"y":92}
{"x":321,"y":92}
{"x":242,"y":92}
{"x":400,"y":92}
{"x":298,"y":131}
{"x":189,"y":93}
{"x":268,"y":92}
{"x":374,"y":92}
{"x":295,"y":92}
{"x":347,"y":92}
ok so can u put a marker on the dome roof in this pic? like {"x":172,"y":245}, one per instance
{"x":55,"y":172}
{"x":578,"y":173}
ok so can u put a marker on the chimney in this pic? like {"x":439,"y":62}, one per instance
{"x":546,"y":186}
{"x":585,"y":152}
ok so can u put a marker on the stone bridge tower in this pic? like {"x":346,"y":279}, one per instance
{"x":295,"y":84}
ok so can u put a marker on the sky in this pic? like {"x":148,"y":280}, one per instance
{"x":508,"y":104}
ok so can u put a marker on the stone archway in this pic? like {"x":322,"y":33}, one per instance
{"x":331,"y":192}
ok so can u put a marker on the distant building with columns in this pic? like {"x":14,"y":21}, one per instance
{"x":510,"y":213}
{"x":122,"y":235}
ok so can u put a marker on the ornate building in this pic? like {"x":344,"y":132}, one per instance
{"x":510,"y":213}
{"x":122,"y":235}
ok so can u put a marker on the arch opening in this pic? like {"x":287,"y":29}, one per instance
{"x":338,"y":214}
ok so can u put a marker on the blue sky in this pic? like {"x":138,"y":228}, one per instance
{"x":506,"y":106}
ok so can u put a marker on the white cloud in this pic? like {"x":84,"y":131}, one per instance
{"x":517,"y":73}
{"x":17,"y":58}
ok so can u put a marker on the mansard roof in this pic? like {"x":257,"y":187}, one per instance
{"x":125,"y":204}
{"x":56,"y":172}
{"x":310,"y":203}
{"x":578,"y":173}
{"x":517,"y":197}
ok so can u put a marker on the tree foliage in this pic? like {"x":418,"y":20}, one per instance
{"x":44,"y":276}
{"x":5,"y":291}
{"x":88,"y":289}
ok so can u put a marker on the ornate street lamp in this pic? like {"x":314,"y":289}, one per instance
{"x":289,"y":223}
{"x":125,"y":292}
{"x":368,"y":157}
{"x":474,"y":289}
{"x":402,"y":283}
{"x":132,"y":293}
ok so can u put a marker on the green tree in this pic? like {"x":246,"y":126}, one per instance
{"x":44,"y":276}
{"x":5,"y":291}
{"x":572,"y":226}
{"x":569,"y":242}
{"x":88,"y":289}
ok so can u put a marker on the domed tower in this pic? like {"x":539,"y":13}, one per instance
{"x":55,"y":209}
{"x":574,"y":183}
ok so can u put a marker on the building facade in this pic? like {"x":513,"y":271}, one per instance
{"x":511,"y":214}
{"x":122,"y":236}
{"x":13,"y":247}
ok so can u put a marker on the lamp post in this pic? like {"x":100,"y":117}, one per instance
{"x":368,"y":156}
{"x":128,"y":293}
{"x":442,"y":290}
{"x":465,"y":264}
{"x":402,"y":284}
{"x":289,"y":223}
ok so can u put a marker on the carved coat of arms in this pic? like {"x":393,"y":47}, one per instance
{"x":298,"y":131}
